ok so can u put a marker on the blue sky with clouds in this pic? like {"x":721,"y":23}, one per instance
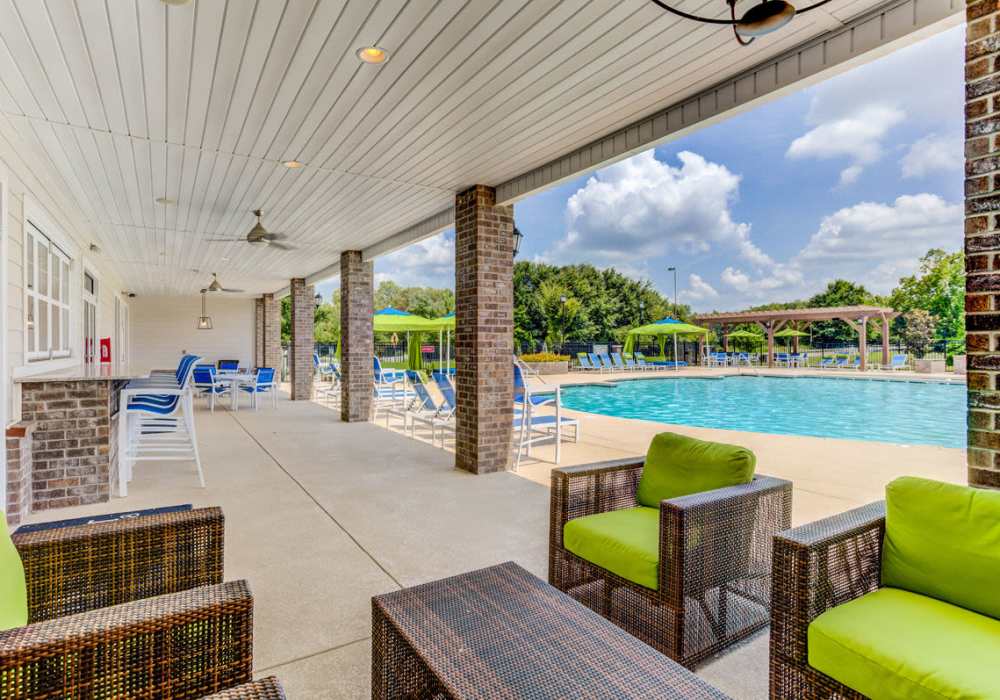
{"x":854,"y":177}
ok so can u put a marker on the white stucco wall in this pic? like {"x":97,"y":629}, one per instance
{"x":164,"y":327}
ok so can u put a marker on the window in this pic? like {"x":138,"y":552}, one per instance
{"x":47,"y":293}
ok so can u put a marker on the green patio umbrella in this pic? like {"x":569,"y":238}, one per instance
{"x":745,"y":335}
{"x":660,"y":330}
{"x":446,"y":324}
{"x":790,"y":333}
{"x":390,"y":320}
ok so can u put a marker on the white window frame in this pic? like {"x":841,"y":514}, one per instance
{"x":94,"y":299}
{"x":54,"y":306}
{"x":4,"y":370}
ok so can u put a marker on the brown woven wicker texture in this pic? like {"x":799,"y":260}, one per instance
{"x":715,"y":559}
{"x":502,"y":633}
{"x":132,"y":608}
{"x":265,"y":689}
{"x":817,"y":567}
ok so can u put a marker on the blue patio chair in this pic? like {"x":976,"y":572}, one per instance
{"x":841,"y":363}
{"x":743,"y":358}
{"x":203,"y":380}
{"x":390,"y":387}
{"x":781,"y":358}
{"x":827,"y":363}
{"x":444,"y":419}
{"x":263,"y":383}
{"x":584,"y":361}
{"x":606,"y":363}
{"x":532,"y":429}
{"x":619,"y":363}
{"x":631,"y":364}
{"x":855,"y":363}
{"x":899,"y":362}
{"x":646,"y":364}
{"x":596,"y":362}
{"x":418,"y":401}
{"x":228,"y":365}
{"x":158,"y":424}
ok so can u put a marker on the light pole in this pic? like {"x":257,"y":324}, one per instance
{"x":642,"y":306}
{"x":562,"y":321}
{"x":674,"y":270}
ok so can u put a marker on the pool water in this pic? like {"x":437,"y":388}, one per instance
{"x":909,"y":413}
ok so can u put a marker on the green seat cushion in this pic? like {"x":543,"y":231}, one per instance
{"x":13,"y":591}
{"x":943,"y":540}
{"x":625,"y":542}
{"x":677,"y":465}
{"x":895,"y":644}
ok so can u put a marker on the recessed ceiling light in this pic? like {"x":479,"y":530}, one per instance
{"x":224,"y":259}
{"x":165,"y":201}
{"x":292,"y":164}
{"x":175,"y":3}
{"x":373,"y":54}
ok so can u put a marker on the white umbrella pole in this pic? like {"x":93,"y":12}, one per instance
{"x":440,"y":358}
{"x":447,"y":351}
{"x":676,"y":366}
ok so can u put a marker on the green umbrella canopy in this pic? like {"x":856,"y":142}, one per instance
{"x":788,"y":333}
{"x":446,"y":322}
{"x":668,"y":326}
{"x":390,"y":320}
{"x":750,"y":335}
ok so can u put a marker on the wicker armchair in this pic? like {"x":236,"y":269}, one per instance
{"x":265,"y":689}
{"x":131,"y":608}
{"x":817,"y":567}
{"x":714,"y":568}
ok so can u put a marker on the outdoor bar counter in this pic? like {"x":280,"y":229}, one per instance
{"x":69,"y":424}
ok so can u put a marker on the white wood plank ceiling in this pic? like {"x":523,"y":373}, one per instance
{"x":127,"y":101}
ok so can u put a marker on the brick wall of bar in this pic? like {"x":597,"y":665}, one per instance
{"x":357,"y":300}
{"x":258,"y":332}
{"x":18,"y":504}
{"x":484,"y":330}
{"x":272,"y":333}
{"x":982,"y":239}
{"x":71,"y":453}
{"x":300,"y":351}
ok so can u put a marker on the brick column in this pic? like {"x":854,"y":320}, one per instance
{"x":357,"y":337}
{"x":982,"y":240}
{"x":271,"y":345}
{"x":484,"y":330}
{"x":258,"y":332}
{"x":300,"y":351}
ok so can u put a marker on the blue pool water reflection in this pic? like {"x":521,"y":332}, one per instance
{"x":909,"y":413}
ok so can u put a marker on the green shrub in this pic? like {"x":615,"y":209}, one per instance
{"x":544,"y":357}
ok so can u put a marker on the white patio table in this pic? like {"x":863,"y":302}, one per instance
{"x":235,"y":379}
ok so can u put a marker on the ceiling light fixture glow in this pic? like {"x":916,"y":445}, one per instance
{"x":373,"y":54}
{"x":293,"y":164}
{"x":762,"y":18}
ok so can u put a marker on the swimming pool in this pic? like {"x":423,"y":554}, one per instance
{"x":909,"y":413}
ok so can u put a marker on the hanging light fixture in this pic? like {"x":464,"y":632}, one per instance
{"x":763,"y":18}
{"x":204,"y":321}
{"x":518,"y":236}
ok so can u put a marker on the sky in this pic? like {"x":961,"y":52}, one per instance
{"x":855,"y":177}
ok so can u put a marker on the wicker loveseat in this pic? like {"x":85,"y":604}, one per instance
{"x":897,"y":599}
{"x":701,"y":575}
{"x":130,"y":608}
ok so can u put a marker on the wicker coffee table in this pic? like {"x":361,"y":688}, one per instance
{"x":503,"y":633}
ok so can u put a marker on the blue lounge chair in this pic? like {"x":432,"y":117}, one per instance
{"x":827,"y":363}
{"x":646,"y":364}
{"x":619,"y":363}
{"x":899,"y":362}
{"x":595,"y":361}
{"x":204,"y":381}
{"x":781,"y":358}
{"x":584,"y":361}
{"x":855,"y":363}
{"x":531,"y":428}
{"x":841,"y":363}
{"x":631,"y":364}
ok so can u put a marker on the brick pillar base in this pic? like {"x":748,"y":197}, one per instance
{"x":484,"y":331}
{"x":272,"y":334}
{"x":300,"y":351}
{"x":982,"y":240}
{"x":258,"y":333}
{"x":19,"y":471}
{"x":357,"y":337}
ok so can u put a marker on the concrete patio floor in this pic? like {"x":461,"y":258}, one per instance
{"x":321,"y":515}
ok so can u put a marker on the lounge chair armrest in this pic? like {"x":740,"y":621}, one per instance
{"x":186,"y":644}
{"x":129,"y":391}
{"x":820,"y":565}
{"x":587,"y":489}
{"x":717,"y":537}
{"x":85,"y":567}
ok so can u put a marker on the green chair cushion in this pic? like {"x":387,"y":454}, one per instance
{"x":13,"y":590}
{"x":677,"y":465}
{"x":625,"y":542}
{"x":943,"y":540}
{"x":893,"y":644}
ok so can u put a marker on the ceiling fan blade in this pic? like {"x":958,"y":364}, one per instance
{"x":275,"y":236}
{"x":224,"y":240}
{"x":281,"y":246}
{"x":232,"y":291}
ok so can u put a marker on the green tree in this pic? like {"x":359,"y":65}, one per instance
{"x":839,"y":293}
{"x":326,"y":320}
{"x":562,"y":313}
{"x":430,"y":302}
{"x":938,"y":288}
{"x":918,"y":330}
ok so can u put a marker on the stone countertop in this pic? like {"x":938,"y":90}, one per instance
{"x":85,"y":373}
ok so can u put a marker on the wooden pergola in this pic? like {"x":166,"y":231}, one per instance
{"x":857,"y":317}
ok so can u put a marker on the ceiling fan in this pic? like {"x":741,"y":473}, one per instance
{"x":258,"y":236}
{"x":216,"y":286}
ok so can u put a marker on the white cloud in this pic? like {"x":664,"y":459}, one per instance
{"x":872,"y":243}
{"x":699,"y":290}
{"x":426,"y":263}
{"x":856,"y":136}
{"x":642,"y":208}
{"x":931,"y":154}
